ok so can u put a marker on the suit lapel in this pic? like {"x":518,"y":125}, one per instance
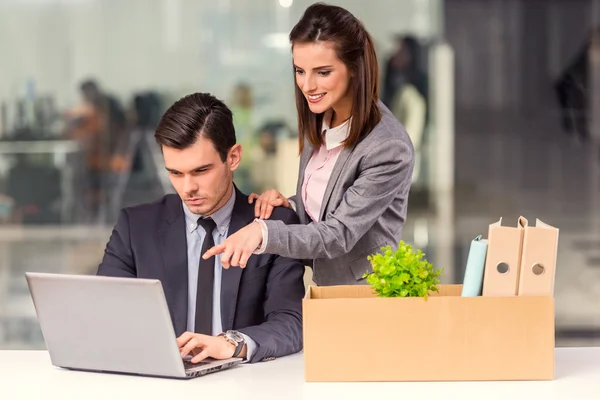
{"x":335,"y":174}
{"x":304,"y":159}
{"x":174,"y":251}
{"x":242,"y":215}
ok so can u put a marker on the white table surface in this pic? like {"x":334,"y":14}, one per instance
{"x":29,"y":375}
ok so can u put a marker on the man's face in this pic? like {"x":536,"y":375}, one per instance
{"x":200,"y":177}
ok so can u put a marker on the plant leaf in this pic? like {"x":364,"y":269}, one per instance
{"x":402,"y":272}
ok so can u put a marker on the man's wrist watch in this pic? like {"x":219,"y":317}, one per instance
{"x":236,"y":339}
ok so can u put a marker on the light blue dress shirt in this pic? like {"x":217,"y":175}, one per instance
{"x":195,"y":237}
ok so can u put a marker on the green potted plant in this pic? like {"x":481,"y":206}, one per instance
{"x":402,"y":273}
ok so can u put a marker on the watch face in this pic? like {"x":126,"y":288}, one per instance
{"x":236,"y":336}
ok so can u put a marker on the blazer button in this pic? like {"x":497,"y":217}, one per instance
{"x":268,"y":359}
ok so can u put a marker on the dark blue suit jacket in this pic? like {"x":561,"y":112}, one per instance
{"x":264,"y":300}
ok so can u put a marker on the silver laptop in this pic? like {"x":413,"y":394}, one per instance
{"x":117,"y":325}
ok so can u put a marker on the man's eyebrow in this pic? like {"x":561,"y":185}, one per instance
{"x":201,"y":167}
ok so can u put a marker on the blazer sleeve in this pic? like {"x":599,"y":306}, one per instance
{"x":386,"y":172}
{"x":118,"y":258}
{"x":293,"y":202}
{"x":281,"y":333}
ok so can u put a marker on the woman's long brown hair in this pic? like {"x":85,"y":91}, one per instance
{"x":354,"y":47}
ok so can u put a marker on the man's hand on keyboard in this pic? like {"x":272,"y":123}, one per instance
{"x":203,"y":346}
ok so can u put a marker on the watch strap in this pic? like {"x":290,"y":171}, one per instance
{"x":238,"y":345}
{"x":238,"y":349}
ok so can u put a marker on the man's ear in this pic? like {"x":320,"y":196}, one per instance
{"x":234,"y":157}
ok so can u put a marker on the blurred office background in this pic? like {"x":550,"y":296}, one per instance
{"x":497,"y":96}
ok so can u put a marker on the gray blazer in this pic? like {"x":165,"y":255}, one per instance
{"x":364,"y":207}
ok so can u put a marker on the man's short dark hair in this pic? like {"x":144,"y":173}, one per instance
{"x":193,"y":116}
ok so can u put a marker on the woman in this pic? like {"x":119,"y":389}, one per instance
{"x":356,"y":159}
{"x":405,"y":94}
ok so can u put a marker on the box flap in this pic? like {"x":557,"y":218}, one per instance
{"x":365,"y":291}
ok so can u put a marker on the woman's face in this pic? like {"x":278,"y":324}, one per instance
{"x":323,"y":78}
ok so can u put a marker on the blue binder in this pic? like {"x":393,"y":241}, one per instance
{"x":472,"y":282}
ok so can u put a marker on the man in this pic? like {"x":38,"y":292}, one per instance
{"x":253,"y":313}
{"x":99,"y":124}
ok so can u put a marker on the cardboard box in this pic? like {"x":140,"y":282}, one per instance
{"x":350,"y":335}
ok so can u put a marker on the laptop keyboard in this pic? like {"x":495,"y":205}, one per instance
{"x":189,"y":364}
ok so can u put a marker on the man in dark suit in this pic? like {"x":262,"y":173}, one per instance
{"x":253,"y":312}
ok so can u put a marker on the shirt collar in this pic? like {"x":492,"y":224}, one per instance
{"x":222,"y":216}
{"x":335,"y":136}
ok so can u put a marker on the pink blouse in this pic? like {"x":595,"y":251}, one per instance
{"x":318,"y":170}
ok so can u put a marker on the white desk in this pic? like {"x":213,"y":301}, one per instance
{"x":29,"y":375}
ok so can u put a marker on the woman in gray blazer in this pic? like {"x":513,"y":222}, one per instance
{"x":356,"y":159}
